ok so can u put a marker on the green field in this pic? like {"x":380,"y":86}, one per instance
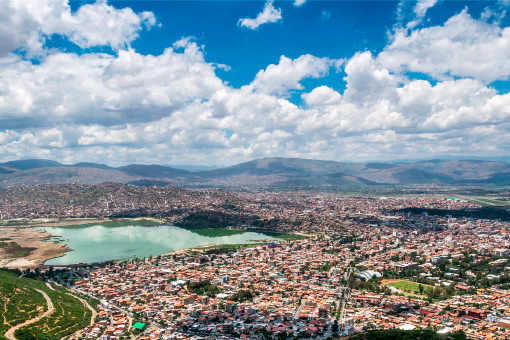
{"x":408,"y":286}
{"x":19,"y":302}
{"x":287,"y":237}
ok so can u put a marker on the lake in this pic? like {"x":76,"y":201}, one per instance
{"x":97,"y":243}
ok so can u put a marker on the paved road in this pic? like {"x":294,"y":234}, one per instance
{"x":10,"y":333}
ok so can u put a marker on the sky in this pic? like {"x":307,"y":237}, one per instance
{"x":223,"y":82}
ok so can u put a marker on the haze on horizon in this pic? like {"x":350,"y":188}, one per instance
{"x":222,"y":82}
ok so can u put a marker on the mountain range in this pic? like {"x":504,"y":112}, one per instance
{"x":274,"y":171}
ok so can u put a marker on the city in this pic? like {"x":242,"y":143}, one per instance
{"x":365,"y":264}
{"x":255,"y":170}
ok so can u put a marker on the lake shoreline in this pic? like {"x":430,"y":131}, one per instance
{"x":29,"y":248}
{"x":46,"y":248}
{"x":129,"y":239}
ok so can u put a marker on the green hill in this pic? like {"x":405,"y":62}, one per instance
{"x":20,"y":301}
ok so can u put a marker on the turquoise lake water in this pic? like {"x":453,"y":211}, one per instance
{"x":97,"y":243}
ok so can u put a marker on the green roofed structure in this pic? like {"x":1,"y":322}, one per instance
{"x":139,"y":326}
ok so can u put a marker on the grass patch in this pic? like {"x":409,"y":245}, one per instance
{"x":217,"y":232}
{"x":410,"y":287}
{"x":15,"y":250}
{"x":287,"y":237}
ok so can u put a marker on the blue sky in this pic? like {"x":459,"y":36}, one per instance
{"x":220,"y":82}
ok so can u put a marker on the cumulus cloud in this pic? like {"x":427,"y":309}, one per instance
{"x":322,"y":96}
{"x":462,"y":47}
{"x":104,"y":89}
{"x":128,"y":107}
{"x":288,"y":73}
{"x":27,"y":24}
{"x":268,"y":15}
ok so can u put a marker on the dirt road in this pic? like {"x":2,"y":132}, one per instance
{"x":10,"y":333}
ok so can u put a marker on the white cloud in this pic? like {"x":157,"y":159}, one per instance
{"x":367,"y":81}
{"x":129,"y":107}
{"x":420,"y":10}
{"x":462,"y":47}
{"x":105,"y":89}
{"x":298,"y":3}
{"x":322,"y":95}
{"x":27,"y":24}
{"x":268,"y":15}
{"x":288,"y":73}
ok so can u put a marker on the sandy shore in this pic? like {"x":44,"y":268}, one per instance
{"x":27,"y":248}
{"x":23,"y":247}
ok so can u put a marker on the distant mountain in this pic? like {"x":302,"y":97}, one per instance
{"x":92,"y":165}
{"x":193,"y":167}
{"x":6,"y":170}
{"x":273,"y":171}
{"x":277,"y":166}
{"x":502,"y":178}
{"x":335,"y":179}
{"x":28,"y":164}
{"x":65,"y":174}
{"x":152,"y":171}
{"x":417,"y":176}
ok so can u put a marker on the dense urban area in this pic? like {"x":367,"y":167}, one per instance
{"x":359,"y":262}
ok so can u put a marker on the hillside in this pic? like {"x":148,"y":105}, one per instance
{"x":64,"y":175}
{"x":23,"y":299}
{"x":273,"y":171}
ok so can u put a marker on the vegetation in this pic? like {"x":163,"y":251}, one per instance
{"x":243,"y":295}
{"x":287,"y":237}
{"x":204,"y":288}
{"x":224,"y":248}
{"x":411,"y":287}
{"x":68,"y":316}
{"x":15,"y":250}
{"x":407,"y":335}
{"x":492,"y":213}
{"x":217,"y":219}
{"x":20,"y":301}
{"x":218,"y":232}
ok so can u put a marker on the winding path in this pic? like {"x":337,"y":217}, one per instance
{"x":85,"y":303}
{"x":10,"y":333}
